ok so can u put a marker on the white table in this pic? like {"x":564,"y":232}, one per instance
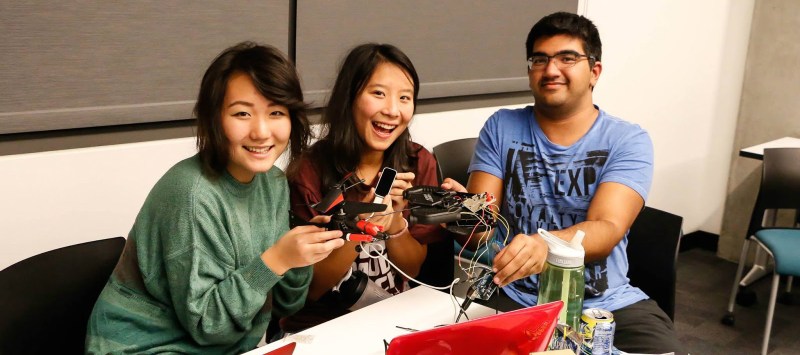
{"x":363,"y":331}
{"x":757,"y":151}
{"x":759,"y":268}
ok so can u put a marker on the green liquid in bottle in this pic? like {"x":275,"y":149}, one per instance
{"x":565,"y":284}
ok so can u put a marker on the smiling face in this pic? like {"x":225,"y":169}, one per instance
{"x":384,"y":107}
{"x":256,"y":128}
{"x":562,"y":89}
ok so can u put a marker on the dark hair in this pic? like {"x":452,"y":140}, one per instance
{"x":274,"y":76}
{"x":564,"y":23}
{"x":342,"y":137}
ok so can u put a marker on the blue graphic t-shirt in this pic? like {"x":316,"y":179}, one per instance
{"x":549,"y":186}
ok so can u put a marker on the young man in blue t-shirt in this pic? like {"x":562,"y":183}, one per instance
{"x":565,"y":165}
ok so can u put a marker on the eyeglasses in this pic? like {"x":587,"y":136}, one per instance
{"x":563,"y":60}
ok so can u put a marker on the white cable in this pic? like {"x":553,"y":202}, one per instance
{"x":379,"y":250}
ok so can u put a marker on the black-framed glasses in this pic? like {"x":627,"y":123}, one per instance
{"x":563,"y":60}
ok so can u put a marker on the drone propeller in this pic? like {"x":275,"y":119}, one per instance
{"x":335,"y":195}
{"x":331,"y":199}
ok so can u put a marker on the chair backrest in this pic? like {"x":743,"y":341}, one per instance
{"x":452,"y":160}
{"x":46,"y":299}
{"x":780,"y":184}
{"x":653,"y":243}
{"x":454,"y":157}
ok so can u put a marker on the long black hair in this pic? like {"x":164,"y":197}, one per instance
{"x":275,"y":78}
{"x":339,"y":152}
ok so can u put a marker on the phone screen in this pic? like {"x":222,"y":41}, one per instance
{"x":385,"y":183}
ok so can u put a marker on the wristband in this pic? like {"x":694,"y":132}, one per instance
{"x":405,"y":228}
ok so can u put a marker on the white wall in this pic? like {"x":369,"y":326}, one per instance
{"x":433,"y":128}
{"x":54,"y":199}
{"x":676,"y":68}
{"x":673,"y":66}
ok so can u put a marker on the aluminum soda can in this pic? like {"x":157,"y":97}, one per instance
{"x":597,"y":329}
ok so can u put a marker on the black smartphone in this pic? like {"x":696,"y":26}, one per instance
{"x":384,"y":184}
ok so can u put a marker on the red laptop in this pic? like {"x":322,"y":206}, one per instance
{"x":287,"y":349}
{"x":517,"y":332}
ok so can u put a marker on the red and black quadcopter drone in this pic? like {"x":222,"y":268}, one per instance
{"x":345,"y":214}
{"x":462,"y":213}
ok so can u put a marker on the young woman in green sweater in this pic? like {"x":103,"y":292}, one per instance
{"x":210,"y":259}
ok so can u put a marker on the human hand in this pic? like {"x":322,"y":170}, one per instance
{"x":382,"y":218}
{"x":302,"y":246}
{"x":452,"y":185}
{"x":402,"y":182}
{"x":524,"y":256}
{"x":320,"y":219}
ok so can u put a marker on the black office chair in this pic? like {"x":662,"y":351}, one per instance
{"x":46,"y":300}
{"x":454,"y":158}
{"x":780,"y":189}
{"x":653,"y":243}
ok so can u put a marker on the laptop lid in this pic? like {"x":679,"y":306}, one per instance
{"x":517,"y":332}
{"x":287,"y":349}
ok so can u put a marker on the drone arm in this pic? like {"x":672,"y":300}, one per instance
{"x":330,"y":270}
{"x":302,"y":198}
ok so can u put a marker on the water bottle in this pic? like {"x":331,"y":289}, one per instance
{"x":562,"y":277}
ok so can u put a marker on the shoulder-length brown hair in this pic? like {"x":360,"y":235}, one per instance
{"x":273,"y":75}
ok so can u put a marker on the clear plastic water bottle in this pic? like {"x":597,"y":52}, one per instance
{"x":562,"y":277}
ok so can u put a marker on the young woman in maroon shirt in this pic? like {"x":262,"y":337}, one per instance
{"x":366,"y":129}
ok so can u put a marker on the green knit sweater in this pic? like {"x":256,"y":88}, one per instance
{"x":191,"y":279}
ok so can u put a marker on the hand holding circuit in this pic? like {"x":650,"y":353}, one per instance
{"x":525,"y":255}
{"x":452,"y":185}
{"x":302,"y":246}
{"x":402,"y":182}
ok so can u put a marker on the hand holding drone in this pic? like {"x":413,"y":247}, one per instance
{"x":463,"y":213}
{"x":345,"y":214}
